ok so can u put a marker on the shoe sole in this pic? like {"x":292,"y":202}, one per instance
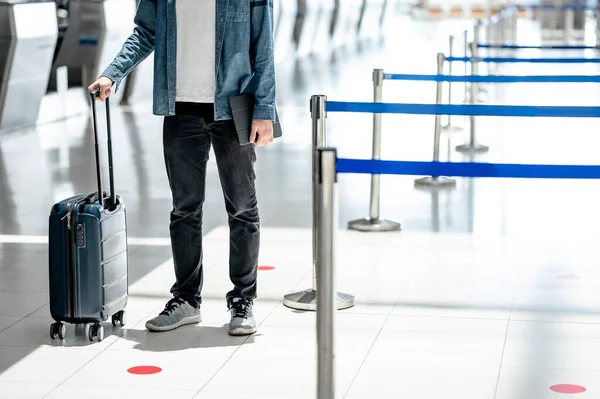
{"x":242,"y":332}
{"x":180,"y":323}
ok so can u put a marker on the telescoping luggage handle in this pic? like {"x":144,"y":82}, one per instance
{"x":112,"y":198}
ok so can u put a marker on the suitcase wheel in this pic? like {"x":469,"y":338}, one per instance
{"x":119,"y":318}
{"x":95,"y":332}
{"x":58,"y":329}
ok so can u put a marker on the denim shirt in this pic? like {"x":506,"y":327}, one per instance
{"x":244,"y":59}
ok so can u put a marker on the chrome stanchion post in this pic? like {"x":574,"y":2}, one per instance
{"x":514,"y":25}
{"x":475,"y":53}
{"x":598,"y":24}
{"x":449,"y":128}
{"x":466,"y":71}
{"x":495,"y":21}
{"x":437,"y":181}
{"x":472,"y":146}
{"x":326,"y":249}
{"x":374,"y":222}
{"x":507,"y":27}
{"x":307,"y":299}
{"x":569,"y":23}
{"x":502,"y":26}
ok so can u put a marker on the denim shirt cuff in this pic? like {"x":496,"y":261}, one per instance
{"x":264,"y":113}
{"x":114,"y":74}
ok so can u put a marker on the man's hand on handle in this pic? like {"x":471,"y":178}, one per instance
{"x":103,"y":84}
{"x":262,"y":133}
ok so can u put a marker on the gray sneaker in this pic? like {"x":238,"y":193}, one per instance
{"x":178,"y":312}
{"x":242,"y":319}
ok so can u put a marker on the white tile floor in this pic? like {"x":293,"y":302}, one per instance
{"x":455,"y":329}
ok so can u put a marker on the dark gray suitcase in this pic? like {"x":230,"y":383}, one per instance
{"x":88,"y":255}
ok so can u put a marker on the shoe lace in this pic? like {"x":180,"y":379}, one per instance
{"x":240,"y":307}
{"x":172,"y":305}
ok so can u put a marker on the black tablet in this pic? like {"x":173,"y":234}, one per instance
{"x":242,"y":108}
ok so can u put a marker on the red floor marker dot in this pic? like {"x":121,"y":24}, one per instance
{"x":567,"y":277}
{"x":262,"y":268}
{"x":144,"y":370}
{"x":567,"y":388}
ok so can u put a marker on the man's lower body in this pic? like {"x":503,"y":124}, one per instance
{"x":187,"y":139}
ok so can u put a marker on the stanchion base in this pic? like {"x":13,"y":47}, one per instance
{"x":435,"y":182}
{"x":377,"y":225}
{"x":307,"y":300}
{"x":452,"y":129}
{"x":472,"y":148}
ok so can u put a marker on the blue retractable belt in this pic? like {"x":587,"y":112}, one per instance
{"x":500,"y":60}
{"x":469,"y":169}
{"x":495,"y":78}
{"x":465,"y":110}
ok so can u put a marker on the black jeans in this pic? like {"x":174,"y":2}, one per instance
{"x":187,"y":139}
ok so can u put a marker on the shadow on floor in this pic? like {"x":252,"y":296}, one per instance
{"x":185,"y":338}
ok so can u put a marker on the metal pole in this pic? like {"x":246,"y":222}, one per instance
{"x":374,"y":223}
{"x":438,"y":118}
{"x":569,"y":17}
{"x":319,"y":130}
{"x":474,"y":53}
{"x":598,"y":24}
{"x":436,"y":181}
{"x":466,"y":71}
{"x":472,"y":146}
{"x":514,"y":25}
{"x":476,"y":36}
{"x":502,"y":27}
{"x":307,"y":299}
{"x":326,"y":201}
{"x":449,"y":128}
{"x":375,"y":179}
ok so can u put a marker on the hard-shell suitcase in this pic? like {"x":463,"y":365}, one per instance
{"x":88,"y":254}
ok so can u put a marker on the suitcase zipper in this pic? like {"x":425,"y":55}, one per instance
{"x":72,"y":262}
{"x":68,"y":216}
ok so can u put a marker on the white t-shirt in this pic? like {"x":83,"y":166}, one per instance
{"x":195,"y":51}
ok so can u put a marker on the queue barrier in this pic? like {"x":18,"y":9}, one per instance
{"x":579,"y":7}
{"x":475,"y":60}
{"x":568,"y":12}
{"x":495,"y":78}
{"x":329,"y":166}
{"x":374,"y":222}
{"x":532,"y":47}
{"x":308,"y":299}
{"x":501,"y":27}
{"x":474,"y":80}
{"x":468,"y":169}
{"x":377,"y":108}
{"x":546,"y":111}
{"x":326,"y":167}
{"x":504,"y":60}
